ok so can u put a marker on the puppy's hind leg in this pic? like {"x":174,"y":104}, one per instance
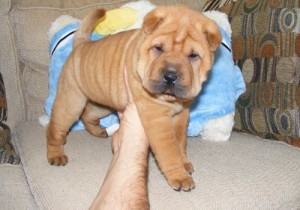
{"x":67,"y":108}
{"x":91,"y":117}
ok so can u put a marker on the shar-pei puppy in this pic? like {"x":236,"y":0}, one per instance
{"x":167,"y":60}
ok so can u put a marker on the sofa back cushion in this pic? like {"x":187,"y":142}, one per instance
{"x":266,"y":46}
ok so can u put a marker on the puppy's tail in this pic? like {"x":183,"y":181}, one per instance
{"x":87,"y":26}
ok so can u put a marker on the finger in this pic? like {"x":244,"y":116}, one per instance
{"x":125,"y":76}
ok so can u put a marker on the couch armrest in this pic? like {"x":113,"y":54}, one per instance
{"x":9,"y":67}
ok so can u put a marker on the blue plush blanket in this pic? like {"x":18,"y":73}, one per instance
{"x":216,"y":99}
{"x":219,"y":93}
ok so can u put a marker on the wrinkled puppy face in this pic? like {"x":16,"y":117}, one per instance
{"x":177,"y":52}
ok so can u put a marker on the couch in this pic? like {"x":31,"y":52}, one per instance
{"x":247,"y":172}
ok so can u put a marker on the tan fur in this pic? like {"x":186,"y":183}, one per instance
{"x":92,"y":78}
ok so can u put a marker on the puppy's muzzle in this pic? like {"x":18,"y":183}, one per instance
{"x":169,"y":82}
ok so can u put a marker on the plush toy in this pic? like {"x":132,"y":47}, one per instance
{"x":212,"y":112}
{"x":115,"y":20}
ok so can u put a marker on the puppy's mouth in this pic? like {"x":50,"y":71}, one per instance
{"x":169,"y":91}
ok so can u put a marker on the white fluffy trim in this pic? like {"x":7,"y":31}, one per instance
{"x":218,"y":129}
{"x":44,"y":120}
{"x":59,"y":23}
{"x":221,"y":19}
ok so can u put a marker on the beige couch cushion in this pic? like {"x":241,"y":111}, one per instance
{"x":243,"y":173}
{"x":14,"y":191}
{"x":8,"y":66}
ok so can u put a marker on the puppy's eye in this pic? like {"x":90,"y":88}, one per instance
{"x":193,"y":56}
{"x":158,"y":49}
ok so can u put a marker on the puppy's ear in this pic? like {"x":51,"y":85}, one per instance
{"x":213,"y":35}
{"x":152,"y":20}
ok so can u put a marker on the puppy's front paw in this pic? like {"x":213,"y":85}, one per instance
{"x":182,"y":182}
{"x":58,"y":160}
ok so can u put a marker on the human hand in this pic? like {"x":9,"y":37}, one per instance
{"x":131,"y":128}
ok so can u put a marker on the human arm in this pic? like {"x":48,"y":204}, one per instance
{"x":125,"y":185}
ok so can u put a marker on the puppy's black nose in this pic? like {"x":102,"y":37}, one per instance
{"x":170,"y":77}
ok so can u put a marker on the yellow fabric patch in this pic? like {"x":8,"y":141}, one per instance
{"x":115,"y":20}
